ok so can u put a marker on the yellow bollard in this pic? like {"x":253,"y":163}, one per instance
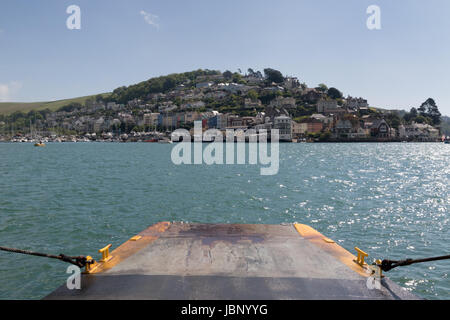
{"x":90,"y":266}
{"x":361,"y":256}
{"x":105,"y":253}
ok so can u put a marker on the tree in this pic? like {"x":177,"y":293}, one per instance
{"x":433,"y":111}
{"x":322,"y":88}
{"x":420,"y":119}
{"x":411,"y":115}
{"x":252,"y":94}
{"x":169,"y":84}
{"x":334,"y":93}
{"x":393,"y":120}
{"x":71,"y":107}
{"x":273,"y":75}
{"x":266,"y":98}
{"x":254,"y":73}
{"x":227,"y":74}
{"x":429,"y":110}
{"x":422,"y":109}
{"x":237,"y":77}
{"x":325,"y":136}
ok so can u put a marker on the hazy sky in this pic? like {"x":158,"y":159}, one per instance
{"x":124,"y":42}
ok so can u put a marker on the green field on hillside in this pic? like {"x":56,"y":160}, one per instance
{"x":10,"y":107}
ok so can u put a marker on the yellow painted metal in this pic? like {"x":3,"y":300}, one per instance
{"x":334,"y":249}
{"x":90,"y":266}
{"x":378,"y":262}
{"x":131,"y":247}
{"x":105,"y":253}
{"x":328,"y":240}
{"x":135,"y":238}
{"x":361,"y":256}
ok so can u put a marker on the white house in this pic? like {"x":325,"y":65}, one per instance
{"x":203,"y":85}
{"x":418,"y":131}
{"x":284,"y":125}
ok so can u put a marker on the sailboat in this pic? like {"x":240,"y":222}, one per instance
{"x":37,"y":144}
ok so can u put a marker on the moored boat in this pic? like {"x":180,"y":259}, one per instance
{"x":165,"y":141}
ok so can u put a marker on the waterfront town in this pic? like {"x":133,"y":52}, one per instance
{"x":151,"y":110}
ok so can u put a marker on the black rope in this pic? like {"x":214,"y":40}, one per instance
{"x":387,"y":265}
{"x":79,"y":261}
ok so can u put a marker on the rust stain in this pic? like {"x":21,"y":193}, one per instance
{"x":212,"y":241}
{"x":213,"y":234}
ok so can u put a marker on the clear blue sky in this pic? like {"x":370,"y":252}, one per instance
{"x":399,"y":66}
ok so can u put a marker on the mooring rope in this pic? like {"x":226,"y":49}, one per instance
{"x":79,"y":261}
{"x":82,"y":261}
{"x":387,"y":265}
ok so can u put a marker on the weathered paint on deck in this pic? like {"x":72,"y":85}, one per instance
{"x":230,"y":261}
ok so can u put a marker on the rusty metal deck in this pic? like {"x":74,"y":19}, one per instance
{"x":211,"y":261}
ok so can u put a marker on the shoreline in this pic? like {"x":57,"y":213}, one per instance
{"x":164,"y":142}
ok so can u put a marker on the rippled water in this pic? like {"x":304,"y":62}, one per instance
{"x":392,"y":200}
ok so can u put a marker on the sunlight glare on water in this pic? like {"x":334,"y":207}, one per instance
{"x":390,"y":199}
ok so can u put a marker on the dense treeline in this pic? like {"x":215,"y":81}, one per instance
{"x":428,"y":112}
{"x":156,"y":85}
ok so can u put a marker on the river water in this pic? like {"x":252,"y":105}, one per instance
{"x":392,"y":200}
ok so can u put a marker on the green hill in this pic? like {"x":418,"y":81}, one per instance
{"x":10,"y":107}
{"x":121,"y":95}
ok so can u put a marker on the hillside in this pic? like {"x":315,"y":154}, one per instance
{"x":10,"y":107}
{"x":221,"y":100}
{"x":122,"y":94}
{"x":445,"y":126}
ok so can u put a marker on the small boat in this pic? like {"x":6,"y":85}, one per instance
{"x":165,"y":141}
{"x":445,"y":139}
{"x":40,"y":144}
